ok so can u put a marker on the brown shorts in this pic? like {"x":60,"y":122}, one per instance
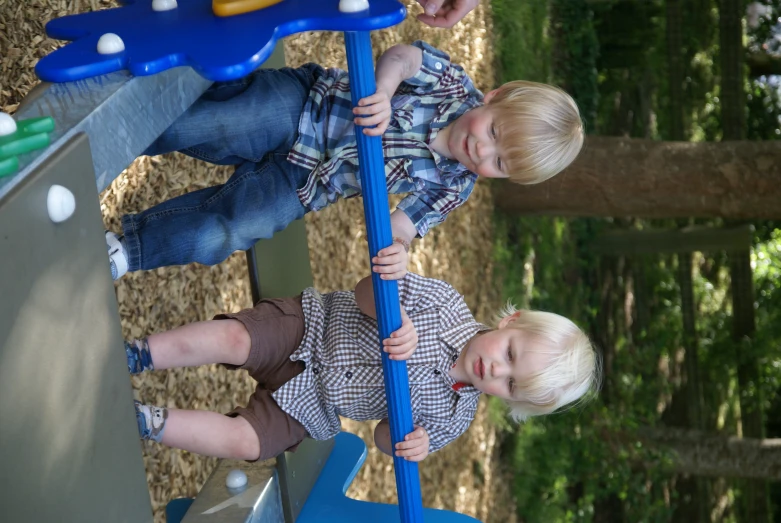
{"x":276,"y":328}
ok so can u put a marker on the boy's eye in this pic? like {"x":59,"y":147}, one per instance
{"x":493,"y":130}
{"x":511,"y":385}
{"x":509,"y":354}
{"x":499,"y":163}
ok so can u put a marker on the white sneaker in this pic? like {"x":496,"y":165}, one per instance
{"x":116,"y":255}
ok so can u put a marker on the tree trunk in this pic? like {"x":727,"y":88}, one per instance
{"x":690,"y":343}
{"x":646,"y":93}
{"x":694,"y":505}
{"x":675,"y":77}
{"x":743,"y":331}
{"x":704,"y":454}
{"x":624,"y":177}
{"x":603,"y":332}
{"x":755,"y":502}
{"x":731,"y":53}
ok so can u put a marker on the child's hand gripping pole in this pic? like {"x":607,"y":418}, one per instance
{"x":386,"y":292}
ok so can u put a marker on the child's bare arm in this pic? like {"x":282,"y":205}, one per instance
{"x":397,"y":64}
{"x":391,"y":262}
{"x":413,"y":448}
{"x":402,"y":227}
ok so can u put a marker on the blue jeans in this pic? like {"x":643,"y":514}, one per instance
{"x":251,"y":123}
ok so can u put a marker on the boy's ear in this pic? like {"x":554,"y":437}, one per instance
{"x":504,"y":322}
{"x":489,"y":96}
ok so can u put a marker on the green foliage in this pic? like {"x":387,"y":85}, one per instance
{"x":571,"y":466}
{"x":627,"y":30}
{"x":569,"y":463}
{"x":566,"y":465}
{"x":699,"y":39}
{"x":764,"y":110}
{"x":528,"y":41}
{"x":521,"y":40}
{"x":629,"y":47}
{"x":575,"y":52}
{"x":767,"y":286}
{"x":766,"y":262}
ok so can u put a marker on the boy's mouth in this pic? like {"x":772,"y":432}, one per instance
{"x":479,"y":368}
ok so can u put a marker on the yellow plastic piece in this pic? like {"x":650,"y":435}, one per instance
{"x":237,"y":7}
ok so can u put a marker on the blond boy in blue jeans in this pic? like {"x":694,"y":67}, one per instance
{"x":291,"y":133}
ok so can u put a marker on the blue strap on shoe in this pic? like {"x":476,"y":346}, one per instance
{"x":151,"y":421}
{"x":139,"y":358}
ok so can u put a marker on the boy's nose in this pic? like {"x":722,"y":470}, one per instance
{"x":496,"y":370}
{"x":484,"y":149}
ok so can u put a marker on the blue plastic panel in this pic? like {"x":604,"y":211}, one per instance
{"x":218,"y":48}
{"x":386,"y":292}
{"x":328,"y":503}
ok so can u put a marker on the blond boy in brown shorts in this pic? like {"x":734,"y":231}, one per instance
{"x":315,"y":358}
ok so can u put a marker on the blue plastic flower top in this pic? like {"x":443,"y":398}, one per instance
{"x":218,"y":48}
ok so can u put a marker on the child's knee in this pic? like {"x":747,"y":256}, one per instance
{"x":237,"y":341}
{"x":244,"y":443}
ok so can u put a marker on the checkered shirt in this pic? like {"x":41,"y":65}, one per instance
{"x":423,"y":105}
{"x":343,"y":375}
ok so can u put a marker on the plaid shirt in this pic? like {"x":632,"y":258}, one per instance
{"x":423,"y":105}
{"x":343,"y":375}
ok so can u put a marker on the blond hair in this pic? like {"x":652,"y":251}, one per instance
{"x":574,"y":374}
{"x":540,"y":129}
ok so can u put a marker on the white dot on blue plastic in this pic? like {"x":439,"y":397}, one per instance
{"x":163,"y":5}
{"x":110,"y":43}
{"x":353,"y":6}
{"x":236,"y":479}
{"x":438,"y":65}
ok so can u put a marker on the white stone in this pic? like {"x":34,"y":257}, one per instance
{"x":163,"y":5}
{"x":353,"y":6}
{"x":60,"y":203}
{"x":7,"y":124}
{"x":110,"y":43}
{"x":236,"y":479}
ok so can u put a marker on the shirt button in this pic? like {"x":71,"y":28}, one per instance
{"x":437,"y":372}
{"x":438,"y":65}
{"x":315,"y":371}
{"x":348,"y":374}
{"x":455,"y":357}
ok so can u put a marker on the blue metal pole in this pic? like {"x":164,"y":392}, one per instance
{"x":386,"y":293}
